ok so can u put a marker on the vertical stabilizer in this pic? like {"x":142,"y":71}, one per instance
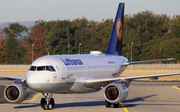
{"x":115,"y":43}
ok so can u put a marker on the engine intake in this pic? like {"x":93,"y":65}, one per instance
{"x":115,"y":93}
{"x":16,"y":93}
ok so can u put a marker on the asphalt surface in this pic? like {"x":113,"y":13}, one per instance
{"x":2,"y":99}
{"x":143,"y":97}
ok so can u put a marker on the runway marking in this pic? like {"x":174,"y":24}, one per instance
{"x":34,"y":97}
{"x":176,"y":87}
{"x":125,"y":109}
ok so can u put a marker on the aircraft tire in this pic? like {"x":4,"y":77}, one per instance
{"x":49,"y":106}
{"x":52,"y":102}
{"x":43,"y":101}
{"x":116,"y":105}
{"x":107,"y":104}
{"x":45,"y":106}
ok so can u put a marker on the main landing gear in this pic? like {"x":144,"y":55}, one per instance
{"x":108,"y":104}
{"x":47,"y":103}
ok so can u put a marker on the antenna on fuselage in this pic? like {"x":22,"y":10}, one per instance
{"x":48,"y":53}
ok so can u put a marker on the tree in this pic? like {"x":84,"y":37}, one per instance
{"x":58,"y":36}
{"x":103,"y":30}
{"x":172,"y":39}
{"x":171,"y":48}
{"x":12,"y":47}
{"x":152,"y":35}
{"x":80,"y":27}
{"x":148,"y":32}
{"x":2,"y":54}
{"x":37,"y":43}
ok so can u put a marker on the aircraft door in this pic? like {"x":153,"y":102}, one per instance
{"x":63,"y":70}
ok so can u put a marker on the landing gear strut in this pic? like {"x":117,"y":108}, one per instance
{"x":47,"y":103}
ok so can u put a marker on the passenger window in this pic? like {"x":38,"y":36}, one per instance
{"x":48,"y":68}
{"x":40,"y":68}
{"x":33,"y":68}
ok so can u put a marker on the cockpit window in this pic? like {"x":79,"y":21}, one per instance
{"x":33,"y":68}
{"x":48,"y":68}
{"x":52,"y":68}
{"x":40,"y":68}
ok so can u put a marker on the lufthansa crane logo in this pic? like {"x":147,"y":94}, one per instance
{"x":119,"y":29}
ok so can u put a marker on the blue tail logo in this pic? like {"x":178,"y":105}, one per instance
{"x":115,"y":43}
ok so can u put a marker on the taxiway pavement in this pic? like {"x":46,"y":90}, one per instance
{"x":143,"y":97}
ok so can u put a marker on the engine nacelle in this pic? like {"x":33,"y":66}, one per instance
{"x":16,"y":93}
{"x":115,"y":93}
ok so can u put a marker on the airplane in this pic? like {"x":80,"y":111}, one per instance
{"x":81,"y":73}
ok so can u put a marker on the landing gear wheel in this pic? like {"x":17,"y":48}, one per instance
{"x":47,"y":103}
{"x":52,"y":102}
{"x":107,"y":104}
{"x":45,"y":106}
{"x":116,"y":105}
{"x":43,"y":101}
{"x":49,"y":106}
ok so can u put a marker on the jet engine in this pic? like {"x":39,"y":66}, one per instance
{"x":16,"y":93}
{"x":115,"y":93}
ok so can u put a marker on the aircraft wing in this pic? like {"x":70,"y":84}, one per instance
{"x":97,"y":82}
{"x":146,"y":61}
{"x":14,"y":77}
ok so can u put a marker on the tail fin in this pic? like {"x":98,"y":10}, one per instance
{"x":115,"y":43}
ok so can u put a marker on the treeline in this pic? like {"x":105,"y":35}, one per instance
{"x":153,"y":37}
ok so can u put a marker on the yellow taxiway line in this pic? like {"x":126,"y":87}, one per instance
{"x":34,"y":97}
{"x":125,"y":109}
{"x":176,"y":87}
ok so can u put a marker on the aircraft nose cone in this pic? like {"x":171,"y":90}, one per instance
{"x":32,"y":81}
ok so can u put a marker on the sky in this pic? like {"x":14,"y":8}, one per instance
{"x":97,"y":10}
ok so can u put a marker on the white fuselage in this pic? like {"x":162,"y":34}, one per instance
{"x":69,"y":69}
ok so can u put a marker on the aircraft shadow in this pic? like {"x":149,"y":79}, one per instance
{"x":73,"y":104}
{"x":96,"y":103}
{"x":88,"y":103}
{"x":80,"y":104}
{"x":135,"y":100}
{"x":126,"y":102}
{"x":29,"y":106}
{"x":100,"y":103}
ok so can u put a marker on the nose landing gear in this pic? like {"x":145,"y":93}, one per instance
{"x":47,"y":103}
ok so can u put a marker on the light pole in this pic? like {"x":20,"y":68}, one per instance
{"x":79,"y":48}
{"x":32,"y":52}
{"x":131,"y":50}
